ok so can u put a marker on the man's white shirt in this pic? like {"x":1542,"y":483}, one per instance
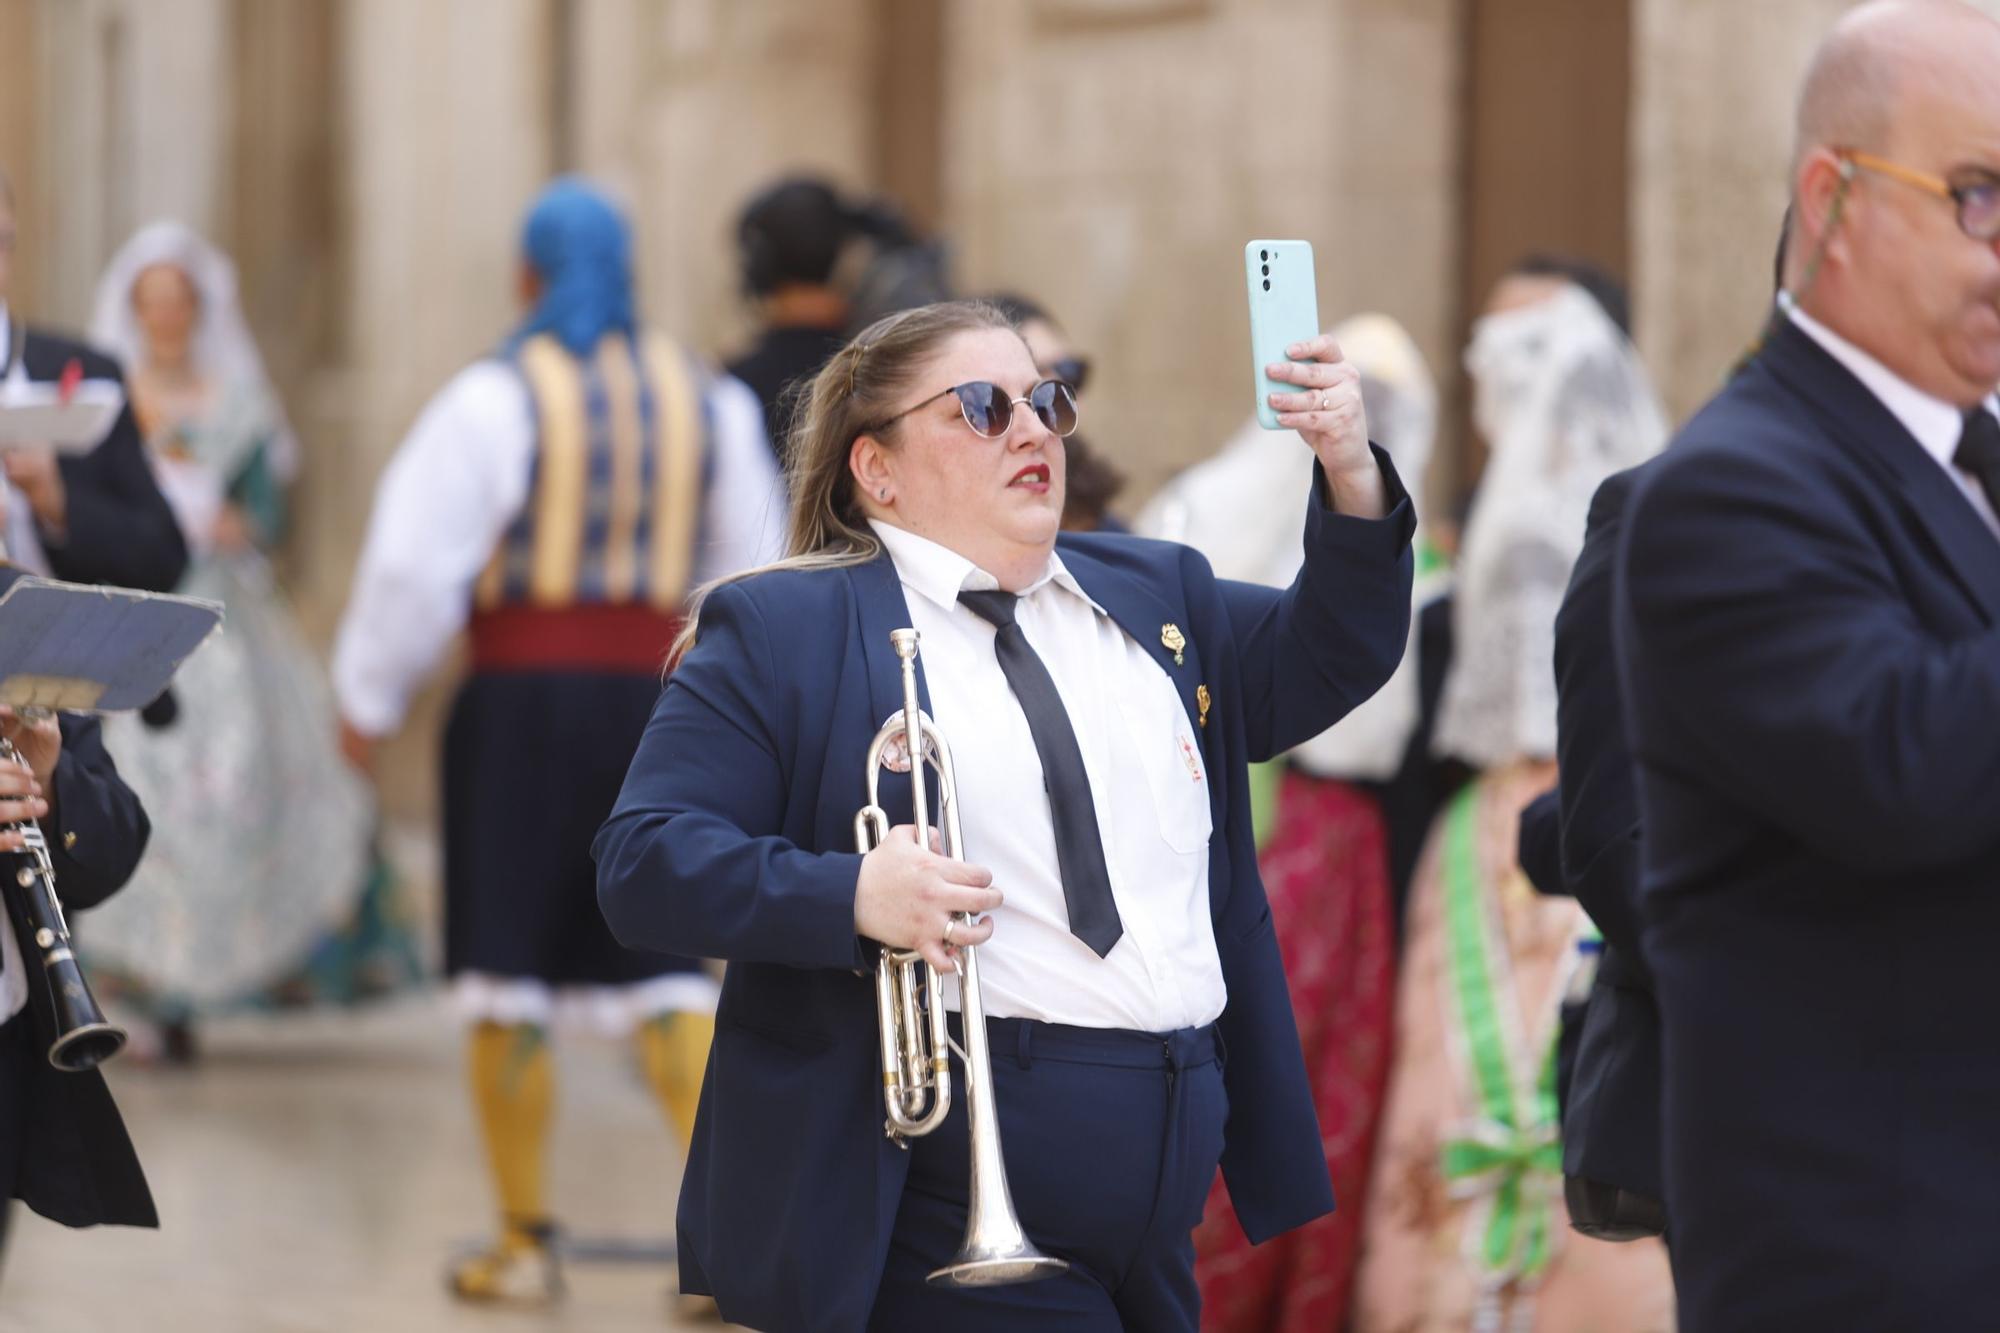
{"x":1937,"y":425}
{"x":459,"y":478}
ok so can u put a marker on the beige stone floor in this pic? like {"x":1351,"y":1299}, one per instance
{"x":314,"y":1174}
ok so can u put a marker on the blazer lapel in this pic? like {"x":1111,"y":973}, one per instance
{"x":1860,"y":421}
{"x":1153,"y":624}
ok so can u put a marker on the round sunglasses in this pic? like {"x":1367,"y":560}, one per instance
{"x":989,"y":410}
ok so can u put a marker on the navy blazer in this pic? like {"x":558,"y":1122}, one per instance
{"x":734,"y":836}
{"x":120,"y":529}
{"x":1809,"y":638}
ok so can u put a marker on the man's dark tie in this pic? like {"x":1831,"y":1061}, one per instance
{"x":1093,"y":915}
{"x":1979,"y":451}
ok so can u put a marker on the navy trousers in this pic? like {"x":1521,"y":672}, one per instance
{"x":1111,"y":1140}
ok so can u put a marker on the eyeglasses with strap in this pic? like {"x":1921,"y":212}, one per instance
{"x":1977,"y":197}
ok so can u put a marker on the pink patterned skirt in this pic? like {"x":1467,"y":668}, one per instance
{"x":1327,"y":873}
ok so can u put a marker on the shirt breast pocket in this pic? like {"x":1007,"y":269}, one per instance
{"x":1176,"y":773}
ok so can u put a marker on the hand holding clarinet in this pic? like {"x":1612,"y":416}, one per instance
{"x":27,"y":777}
{"x":30,"y":746}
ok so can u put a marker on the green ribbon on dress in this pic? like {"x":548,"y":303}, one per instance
{"x":1429,"y":559}
{"x":1511,"y":1151}
{"x":1264,"y":780}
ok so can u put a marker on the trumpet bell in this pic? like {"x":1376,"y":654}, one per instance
{"x":970,"y":1269}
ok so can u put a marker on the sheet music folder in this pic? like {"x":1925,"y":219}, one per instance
{"x":84,"y":649}
{"x":33,"y":414}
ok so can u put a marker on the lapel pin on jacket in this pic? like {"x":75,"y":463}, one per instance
{"x":1201,"y":704}
{"x":1174,"y":640}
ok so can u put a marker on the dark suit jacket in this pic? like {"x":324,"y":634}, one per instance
{"x":733,"y":837}
{"x":1611,"y":1119}
{"x":1807,"y":635}
{"x":75,"y":1164}
{"x":779,"y":365}
{"x":120,"y":529}
{"x":1538,"y":849}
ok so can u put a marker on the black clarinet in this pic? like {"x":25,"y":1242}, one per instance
{"x":84,"y":1039}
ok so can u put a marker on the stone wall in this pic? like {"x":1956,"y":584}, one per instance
{"x":1714,"y":82}
{"x":20,"y":145}
{"x":1112,"y":157}
{"x":687,"y":108}
{"x":134,"y":111}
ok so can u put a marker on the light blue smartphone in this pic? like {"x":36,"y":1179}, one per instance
{"x":1284,"y":309}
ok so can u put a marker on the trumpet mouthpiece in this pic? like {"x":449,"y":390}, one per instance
{"x":904,"y":641}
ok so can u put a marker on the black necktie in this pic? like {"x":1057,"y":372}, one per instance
{"x":1979,"y":451}
{"x":1093,"y":915}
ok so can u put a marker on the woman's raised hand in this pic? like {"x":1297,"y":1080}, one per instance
{"x":1327,"y":413}
{"x":907,"y":894}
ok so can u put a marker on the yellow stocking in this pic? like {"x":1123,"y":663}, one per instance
{"x":513,"y":1085}
{"x":674,"y":1049}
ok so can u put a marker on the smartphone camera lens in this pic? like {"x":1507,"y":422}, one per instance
{"x":1267,"y":270}
{"x":1264,"y":257}
{"x":1267,"y":284}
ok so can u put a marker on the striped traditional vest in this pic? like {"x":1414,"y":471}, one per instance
{"x":603,"y":550}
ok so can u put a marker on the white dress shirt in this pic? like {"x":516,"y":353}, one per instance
{"x":459,"y":478}
{"x":1147,"y":782}
{"x":1937,"y":425}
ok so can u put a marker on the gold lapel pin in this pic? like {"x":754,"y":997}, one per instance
{"x":1174,"y":640}
{"x":1201,"y":703}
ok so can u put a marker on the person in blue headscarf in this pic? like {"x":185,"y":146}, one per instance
{"x":576,"y":275}
{"x":557,"y":499}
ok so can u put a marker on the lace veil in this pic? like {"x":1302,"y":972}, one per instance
{"x":1562,"y":400}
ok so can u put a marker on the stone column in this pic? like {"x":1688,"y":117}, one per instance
{"x":20,"y":145}
{"x":446,"y":131}
{"x":134,"y":105}
{"x":1111,"y":157}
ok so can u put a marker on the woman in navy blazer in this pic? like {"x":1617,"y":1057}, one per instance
{"x":734,"y":839}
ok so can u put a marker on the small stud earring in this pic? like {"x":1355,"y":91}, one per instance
{"x":882,"y":494}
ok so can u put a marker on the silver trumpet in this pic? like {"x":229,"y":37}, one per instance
{"x":916,"y":1071}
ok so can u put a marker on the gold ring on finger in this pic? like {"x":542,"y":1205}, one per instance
{"x":948,"y":924}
